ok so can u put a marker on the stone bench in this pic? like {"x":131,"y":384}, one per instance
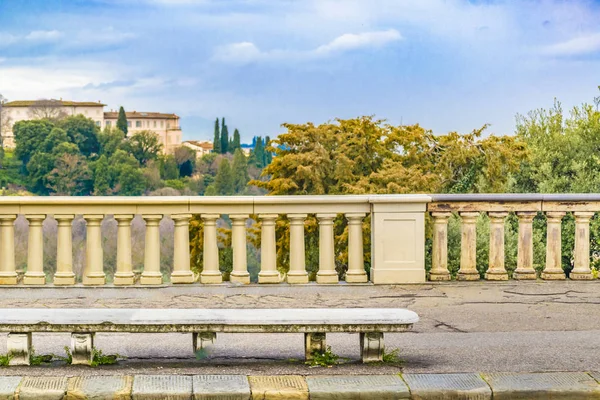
{"x":204,"y":324}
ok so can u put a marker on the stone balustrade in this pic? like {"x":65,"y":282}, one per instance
{"x":525,"y":207}
{"x":397,"y":229}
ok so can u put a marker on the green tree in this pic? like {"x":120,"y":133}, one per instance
{"x":101,"y":177}
{"x":168,"y":168}
{"x":29,"y":137}
{"x":217,"y":138}
{"x":224,"y":137}
{"x":258,"y":153}
{"x":131,"y":181}
{"x":236,"y":143}
{"x":122,"y":121}
{"x":110,"y":140}
{"x":144,"y":146}
{"x":240,"y":172}
{"x":70,"y":176}
{"x":83,"y":132}
{"x":224,"y":184}
{"x":186,"y":160}
{"x":268,"y":152}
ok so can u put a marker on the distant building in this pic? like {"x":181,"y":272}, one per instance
{"x":201,"y":148}
{"x":166,"y":126}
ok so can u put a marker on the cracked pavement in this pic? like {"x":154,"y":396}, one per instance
{"x":464,"y":327}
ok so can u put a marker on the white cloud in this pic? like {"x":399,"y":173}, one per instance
{"x":43,"y":36}
{"x":246,"y":52}
{"x":578,"y":46}
{"x":351,"y":41}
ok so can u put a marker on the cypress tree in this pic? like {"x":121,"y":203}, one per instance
{"x":122,"y":121}
{"x":240,"y":171}
{"x":224,"y":180}
{"x":236,"y":143}
{"x":217,"y":139}
{"x":101,"y":177}
{"x":224,"y":137}
{"x":259,"y":153}
{"x":268,"y":154}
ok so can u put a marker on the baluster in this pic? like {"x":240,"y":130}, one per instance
{"x":210,"y":272}
{"x":496,"y":270}
{"x":238,"y":243}
{"x":525,"y":268}
{"x":297,"y":273}
{"x":356,"y":258}
{"x":439,"y":261}
{"x":35,"y":251}
{"x":64,"y":251}
{"x":468,"y":247}
{"x":581,"y":268}
{"x":181,"y":252}
{"x":151,"y":274}
{"x":8,"y":273}
{"x":268,"y":257}
{"x":124,"y":273}
{"x":327,"y":272}
{"x":94,"y":269}
{"x":553,"y":269}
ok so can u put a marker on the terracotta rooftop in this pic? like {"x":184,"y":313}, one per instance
{"x":140,"y":115}
{"x":64,"y":103}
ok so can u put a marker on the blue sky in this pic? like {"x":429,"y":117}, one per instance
{"x":450,"y":65}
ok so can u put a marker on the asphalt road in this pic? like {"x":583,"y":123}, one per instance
{"x":464,"y":327}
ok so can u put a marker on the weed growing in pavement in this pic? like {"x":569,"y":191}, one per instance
{"x":324,"y":359}
{"x":98,"y":358}
{"x":392,"y":357}
{"x":5,"y":359}
{"x":35,"y":359}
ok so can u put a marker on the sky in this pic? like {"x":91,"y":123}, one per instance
{"x":449,"y":65}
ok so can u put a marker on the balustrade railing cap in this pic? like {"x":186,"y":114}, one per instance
{"x":512,"y":197}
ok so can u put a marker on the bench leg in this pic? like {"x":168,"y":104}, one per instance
{"x":19,"y":347}
{"x":314,"y":342}
{"x":201,"y":340}
{"x":82,"y":345}
{"x":371,"y":346}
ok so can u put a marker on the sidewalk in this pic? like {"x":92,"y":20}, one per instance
{"x":555,"y":385}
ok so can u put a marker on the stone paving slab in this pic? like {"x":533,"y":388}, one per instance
{"x":162,"y":387}
{"x":8,"y":386}
{"x":221,"y":387}
{"x":279,"y":387}
{"x":380,"y":387}
{"x":546,"y":385}
{"x":447,"y":387}
{"x":42,"y":388}
{"x":595,"y":375}
{"x":100,"y":387}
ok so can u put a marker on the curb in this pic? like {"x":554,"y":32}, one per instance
{"x":555,"y":385}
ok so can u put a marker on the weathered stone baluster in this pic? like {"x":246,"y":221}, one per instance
{"x":8,"y":273}
{"x":210,"y":272}
{"x":553,"y":269}
{"x":268,"y":251}
{"x":238,"y":243}
{"x":496,"y":270}
{"x":468,"y":247}
{"x":356,"y":258}
{"x":35,"y":251}
{"x":94,"y":270}
{"x":525,"y":268}
{"x":124,"y":273}
{"x":64,"y":251}
{"x":581,"y":268}
{"x":181,"y":252}
{"x":152,"y":274}
{"x":297,"y":273}
{"x":327,"y":272}
{"x":439,"y":262}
